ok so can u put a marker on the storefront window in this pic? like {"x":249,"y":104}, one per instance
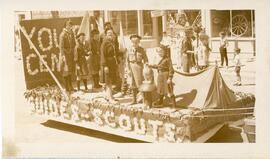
{"x":193,"y":16}
{"x":128,"y":19}
{"x":241,"y":23}
{"x":236,"y":23}
{"x":220,"y":21}
{"x":147,"y":23}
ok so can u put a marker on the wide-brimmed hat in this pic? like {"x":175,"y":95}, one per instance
{"x":203,"y":36}
{"x":181,"y":15}
{"x":162,"y":48}
{"x":237,"y":49}
{"x":188,"y":29}
{"x":68,"y":22}
{"x":135,"y":36}
{"x":94,"y":31}
{"x":222,"y":33}
{"x":107,"y":23}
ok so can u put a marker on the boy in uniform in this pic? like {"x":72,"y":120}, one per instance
{"x":67,"y":44}
{"x":81,"y":70}
{"x":136,"y":58}
{"x":94,"y":59}
{"x":187,"y":50}
{"x":164,"y":78}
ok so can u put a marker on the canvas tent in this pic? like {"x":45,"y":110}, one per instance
{"x":203,"y":90}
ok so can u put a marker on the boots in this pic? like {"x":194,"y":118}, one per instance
{"x":78,"y":85}
{"x":66,"y":84}
{"x":85,"y":84}
{"x":96,"y":81}
{"x":159,"y":102}
{"x":134,"y":96}
{"x":70,"y":83}
{"x":173,"y":101}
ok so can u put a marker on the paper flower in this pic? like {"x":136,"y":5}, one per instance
{"x":28,"y":66}
{"x":97,"y":116}
{"x":139,"y":129}
{"x":169,"y":132}
{"x":107,"y":116}
{"x":124,"y":122}
{"x":40,"y":44}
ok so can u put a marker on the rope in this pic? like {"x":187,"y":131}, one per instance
{"x":228,"y":109}
{"x":221,"y":115}
{"x":192,"y":74}
{"x":43,"y":62}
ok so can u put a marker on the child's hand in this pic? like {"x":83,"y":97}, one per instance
{"x":106,"y":69}
{"x":169,"y":81}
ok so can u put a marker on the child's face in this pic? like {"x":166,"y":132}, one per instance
{"x":161,"y":52}
{"x":205,"y":41}
{"x":135,"y":42}
{"x":82,"y":38}
{"x":96,"y":36}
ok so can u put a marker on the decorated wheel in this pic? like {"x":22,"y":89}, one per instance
{"x":239,"y":25}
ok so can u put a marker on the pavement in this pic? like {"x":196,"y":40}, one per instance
{"x":32,"y":128}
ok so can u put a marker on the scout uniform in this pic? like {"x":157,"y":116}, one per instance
{"x":136,"y":57}
{"x":108,"y":58}
{"x":94,"y":60}
{"x":203,"y":52}
{"x":185,"y":47}
{"x":81,"y":71}
{"x":66,"y":46}
{"x":165,"y":72}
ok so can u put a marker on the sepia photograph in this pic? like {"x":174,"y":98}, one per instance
{"x":133,"y":76}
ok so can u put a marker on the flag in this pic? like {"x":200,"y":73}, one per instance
{"x":100,"y":25}
{"x":122,"y":44}
{"x":85,"y":26}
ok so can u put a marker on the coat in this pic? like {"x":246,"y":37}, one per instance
{"x":135,"y":59}
{"x":186,"y":57}
{"x":80,"y":60}
{"x":203,"y":55}
{"x":94,"y":58}
{"x":165,"y":71}
{"x":108,"y":58}
{"x":66,"y":46}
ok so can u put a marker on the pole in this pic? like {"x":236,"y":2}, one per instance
{"x":43,"y":62}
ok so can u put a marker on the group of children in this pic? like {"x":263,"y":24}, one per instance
{"x":91,"y":57}
{"x":199,"y":52}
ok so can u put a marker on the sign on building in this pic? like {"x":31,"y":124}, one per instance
{"x":44,"y":33}
{"x":157,"y":13}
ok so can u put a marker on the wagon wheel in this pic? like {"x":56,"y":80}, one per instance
{"x":239,"y":25}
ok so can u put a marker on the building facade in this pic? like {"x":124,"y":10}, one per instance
{"x":239,"y":25}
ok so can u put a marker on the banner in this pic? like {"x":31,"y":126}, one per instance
{"x":44,"y":33}
{"x":157,"y":13}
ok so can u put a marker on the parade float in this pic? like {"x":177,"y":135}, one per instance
{"x":202,"y":109}
{"x":204,"y":103}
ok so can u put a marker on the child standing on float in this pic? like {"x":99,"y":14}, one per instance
{"x":94,"y":59}
{"x":81,"y":70}
{"x":165,"y":75}
{"x":136,"y":58}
